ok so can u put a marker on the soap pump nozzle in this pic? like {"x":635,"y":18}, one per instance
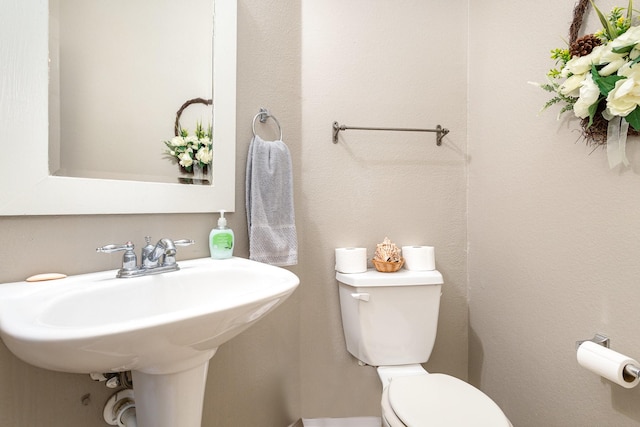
{"x":222,"y":221}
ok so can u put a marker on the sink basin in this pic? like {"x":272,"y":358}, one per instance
{"x":158,"y":326}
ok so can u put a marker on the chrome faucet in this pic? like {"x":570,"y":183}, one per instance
{"x":156,"y":259}
{"x":164,"y":250}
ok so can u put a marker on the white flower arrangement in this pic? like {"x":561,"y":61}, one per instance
{"x":598,"y":78}
{"x":191,"y":149}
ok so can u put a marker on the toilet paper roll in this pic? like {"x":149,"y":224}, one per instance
{"x":606,"y":363}
{"x":419,"y":258}
{"x":351,"y":260}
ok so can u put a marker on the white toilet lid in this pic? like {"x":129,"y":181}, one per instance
{"x":442,"y":400}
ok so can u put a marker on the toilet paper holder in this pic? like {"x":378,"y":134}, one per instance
{"x":631,"y":369}
{"x":598,"y":339}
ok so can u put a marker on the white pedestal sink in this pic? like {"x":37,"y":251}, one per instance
{"x":164,"y":328}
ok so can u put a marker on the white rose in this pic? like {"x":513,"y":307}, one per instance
{"x":589,"y":94}
{"x":613,"y":60}
{"x":177,"y":141}
{"x":612,"y":67}
{"x":185,"y":160}
{"x":204,"y":155}
{"x":571,"y":86}
{"x":631,"y":37}
{"x":626,"y":70}
{"x":582,"y":64}
{"x":625,"y":96}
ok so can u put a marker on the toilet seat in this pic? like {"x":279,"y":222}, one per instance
{"x":439,"y":400}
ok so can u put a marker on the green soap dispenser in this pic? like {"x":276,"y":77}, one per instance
{"x":221,"y":240}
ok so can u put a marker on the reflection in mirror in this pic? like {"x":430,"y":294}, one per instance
{"x":119,"y":72}
{"x":26,"y":186}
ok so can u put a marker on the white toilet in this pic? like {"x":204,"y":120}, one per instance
{"x":390,"y":321}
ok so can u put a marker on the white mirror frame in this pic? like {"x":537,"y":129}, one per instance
{"x":26,"y":188}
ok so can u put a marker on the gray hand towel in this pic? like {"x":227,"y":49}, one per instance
{"x":269,"y":200}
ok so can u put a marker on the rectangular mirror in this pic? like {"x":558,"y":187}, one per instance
{"x":118,"y":72}
{"x":28,"y":188}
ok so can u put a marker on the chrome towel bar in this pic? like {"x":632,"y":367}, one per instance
{"x":441,"y":132}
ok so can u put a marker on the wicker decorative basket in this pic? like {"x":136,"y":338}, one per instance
{"x":176,"y":125}
{"x":388,"y":267}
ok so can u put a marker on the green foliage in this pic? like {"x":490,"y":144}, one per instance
{"x":201,"y":133}
{"x":553,"y":86}
{"x":634,"y":118}
{"x":561,"y":55}
{"x":593,"y":109}
{"x":605,"y":84}
{"x":615,"y":23}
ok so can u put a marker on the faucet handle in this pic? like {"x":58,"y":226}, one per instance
{"x":107,"y":249}
{"x":129,"y":259}
{"x":184,"y":242}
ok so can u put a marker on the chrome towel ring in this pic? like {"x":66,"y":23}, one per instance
{"x":263,"y":115}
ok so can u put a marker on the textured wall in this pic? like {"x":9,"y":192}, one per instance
{"x":553,"y":247}
{"x":253,"y":379}
{"x":553,"y":233}
{"x":377,"y":64}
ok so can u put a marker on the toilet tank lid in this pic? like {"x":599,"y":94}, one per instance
{"x":403,"y":277}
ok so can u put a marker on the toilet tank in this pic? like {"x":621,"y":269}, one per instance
{"x":390,"y":318}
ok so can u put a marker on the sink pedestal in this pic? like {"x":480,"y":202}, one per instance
{"x":170,"y":400}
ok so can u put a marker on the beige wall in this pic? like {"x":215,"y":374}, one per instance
{"x":361,"y":67}
{"x":553,"y":233}
{"x":254,"y":379}
{"x":552,"y":246}
{"x":378,"y":66}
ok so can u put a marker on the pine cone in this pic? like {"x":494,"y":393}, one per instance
{"x":584,"y":45}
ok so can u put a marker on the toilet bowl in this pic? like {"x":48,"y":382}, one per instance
{"x":417,"y":398}
{"x":390,"y":321}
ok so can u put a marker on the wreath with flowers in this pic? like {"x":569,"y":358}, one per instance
{"x":191,"y":150}
{"x":597,"y":77}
